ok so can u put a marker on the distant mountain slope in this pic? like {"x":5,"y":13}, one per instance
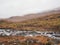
{"x":31,"y":16}
{"x":47,"y":21}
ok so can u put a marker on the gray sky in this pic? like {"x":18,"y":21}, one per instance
{"x":10,"y":8}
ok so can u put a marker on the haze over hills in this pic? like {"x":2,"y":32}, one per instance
{"x":40,"y":21}
{"x":32,"y":16}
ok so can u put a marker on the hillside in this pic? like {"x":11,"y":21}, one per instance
{"x":31,"y":16}
{"x":51,"y":22}
{"x":48,"y":22}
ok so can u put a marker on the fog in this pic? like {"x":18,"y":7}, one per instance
{"x":10,"y":8}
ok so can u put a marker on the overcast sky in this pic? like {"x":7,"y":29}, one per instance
{"x":10,"y":8}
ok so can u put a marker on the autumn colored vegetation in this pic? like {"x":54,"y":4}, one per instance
{"x":20,"y":40}
{"x":45,"y":23}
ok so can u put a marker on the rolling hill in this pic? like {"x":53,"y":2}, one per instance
{"x":46,"y":21}
{"x":31,"y":16}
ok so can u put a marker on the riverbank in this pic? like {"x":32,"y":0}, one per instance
{"x":36,"y":39}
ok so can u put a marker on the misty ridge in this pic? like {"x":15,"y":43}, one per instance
{"x":32,"y":15}
{"x":49,"y":20}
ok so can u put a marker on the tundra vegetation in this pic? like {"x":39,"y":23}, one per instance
{"x":45,"y":23}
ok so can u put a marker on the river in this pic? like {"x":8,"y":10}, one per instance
{"x":11,"y":32}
